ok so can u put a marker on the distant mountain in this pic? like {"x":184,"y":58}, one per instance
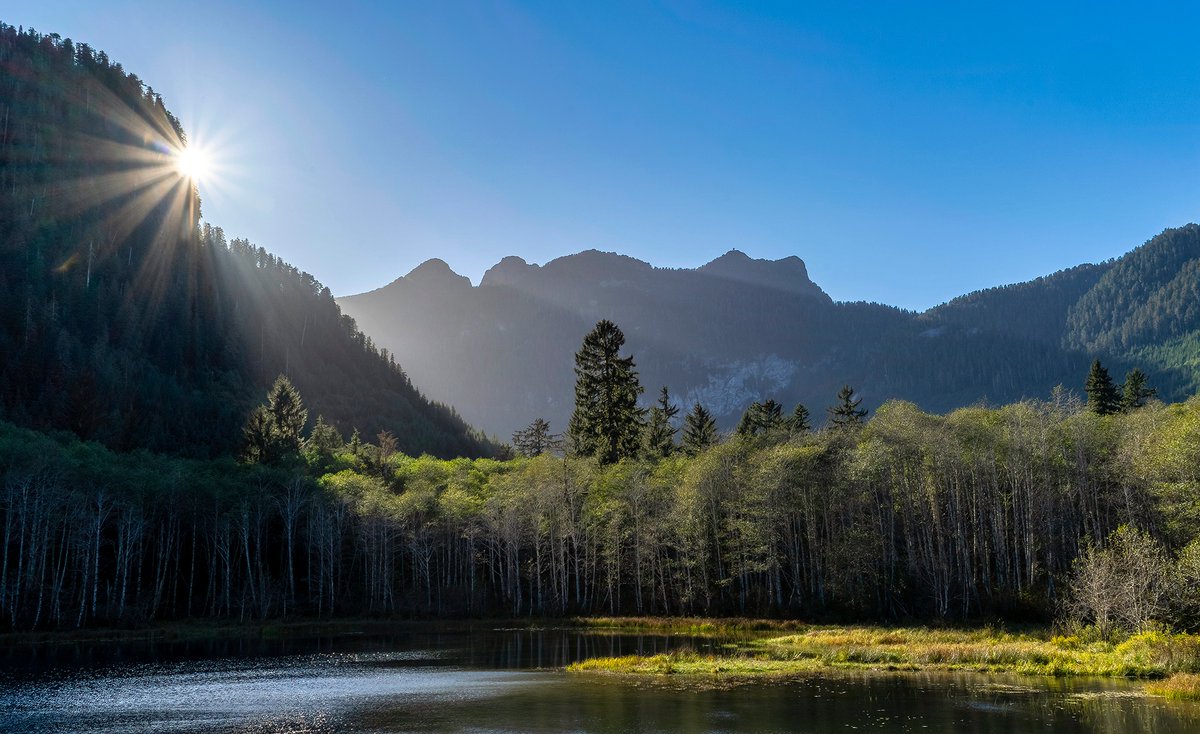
{"x":737,"y":330}
{"x":124,"y":321}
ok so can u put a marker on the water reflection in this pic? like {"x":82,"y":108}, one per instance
{"x":508,"y":681}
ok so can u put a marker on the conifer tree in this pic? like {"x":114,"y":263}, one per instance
{"x":846,"y":412}
{"x":659,"y":437}
{"x":274,"y":429}
{"x":607,"y":421}
{"x":699,"y":430}
{"x":1135,"y":390}
{"x":535,"y":439}
{"x":800,"y":422}
{"x":322,"y":444}
{"x":761,"y":418}
{"x":1102,"y":395}
{"x":323,"y":437}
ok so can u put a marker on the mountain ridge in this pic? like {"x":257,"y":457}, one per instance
{"x":738,"y":329}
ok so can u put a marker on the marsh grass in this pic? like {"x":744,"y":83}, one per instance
{"x":691,"y":626}
{"x":1184,"y":686}
{"x":1145,"y":655}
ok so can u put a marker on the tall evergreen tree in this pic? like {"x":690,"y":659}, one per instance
{"x":761,"y":418}
{"x":1102,"y":395}
{"x":607,"y":421}
{"x":699,"y":430}
{"x":535,"y":439}
{"x":846,"y":412}
{"x":1135,"y":391}
{"x":799,"y":422}
{"x":322,"y":444}
{"x":660,"y":433}
{"x":274,"y":429}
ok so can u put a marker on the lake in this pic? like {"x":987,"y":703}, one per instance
{"x":483,"y":679}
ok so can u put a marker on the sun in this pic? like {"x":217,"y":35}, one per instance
{"x":193,"y":163}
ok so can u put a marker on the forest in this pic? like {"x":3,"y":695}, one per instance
{"x":129,"y":322}
{"x":980,"y":514}
{"x":139,"y":482}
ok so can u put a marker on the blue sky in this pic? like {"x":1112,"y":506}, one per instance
{"x":908,"y":153}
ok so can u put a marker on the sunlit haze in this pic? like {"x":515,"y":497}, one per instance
{"x":193,"y":163}
{"x":906,"y":155}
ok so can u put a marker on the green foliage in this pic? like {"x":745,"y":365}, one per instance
{"x":322,"y":447}
{"x":607,"y":422}
{"x":846,"y":412}
{"x":659,"y":435}
{"x":1135,"y":391}
{"x":273,"y":430}
{"x":762,"y":418}
{"x":800,"y":422}
{"x":1103,"y":398}
{"x":899,"y":519}
{"x":536,"y":439}
{"x":699,"y":430}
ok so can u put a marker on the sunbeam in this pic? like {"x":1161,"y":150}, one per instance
{"x":193,"y":163}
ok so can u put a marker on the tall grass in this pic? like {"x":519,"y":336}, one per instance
{"x":1145,"y":655}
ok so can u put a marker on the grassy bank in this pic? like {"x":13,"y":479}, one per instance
{"x":690,"y":626}
{"x":1153,"y":655}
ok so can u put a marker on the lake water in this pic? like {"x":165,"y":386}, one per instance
{"x":489,"y":680}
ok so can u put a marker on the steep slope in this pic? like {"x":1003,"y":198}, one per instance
{"x":127,"y":323}
{"x":1148,"y":296}
{"x":1037,"y":309}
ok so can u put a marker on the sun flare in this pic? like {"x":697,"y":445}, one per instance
{"x":192,"y":163}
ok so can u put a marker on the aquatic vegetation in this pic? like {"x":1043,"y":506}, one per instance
{"x":1180,"y":685}
{"x":1147,"y":655}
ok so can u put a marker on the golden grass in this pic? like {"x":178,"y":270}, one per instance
{"x":1146,"y":655}
{"x":1181,"y":686}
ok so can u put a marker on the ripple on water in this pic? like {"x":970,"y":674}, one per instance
{"x":306,"y":694}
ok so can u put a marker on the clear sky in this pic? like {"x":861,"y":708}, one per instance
{"x":907,"y":152}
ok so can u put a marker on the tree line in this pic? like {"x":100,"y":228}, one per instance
{"x":981,"y":513}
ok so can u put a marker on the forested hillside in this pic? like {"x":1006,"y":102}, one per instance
{"x":738,"y":330}
{"x":127,"y":322}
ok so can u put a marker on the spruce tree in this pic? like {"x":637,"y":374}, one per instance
{"x":761,"y":418}
{"x":699,"y":430}
{"x":607,"y":421}
{"x":846,"y":412}
{"x":274,"y":430}
{"x":1102,"y":395}
{"x":1135,"y":391}
{"x":660,"y":433}
{"x":800,"y":422}
{"x":535,"y":439}
{"x":322,"y":445}
{"x":323,"y":437}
